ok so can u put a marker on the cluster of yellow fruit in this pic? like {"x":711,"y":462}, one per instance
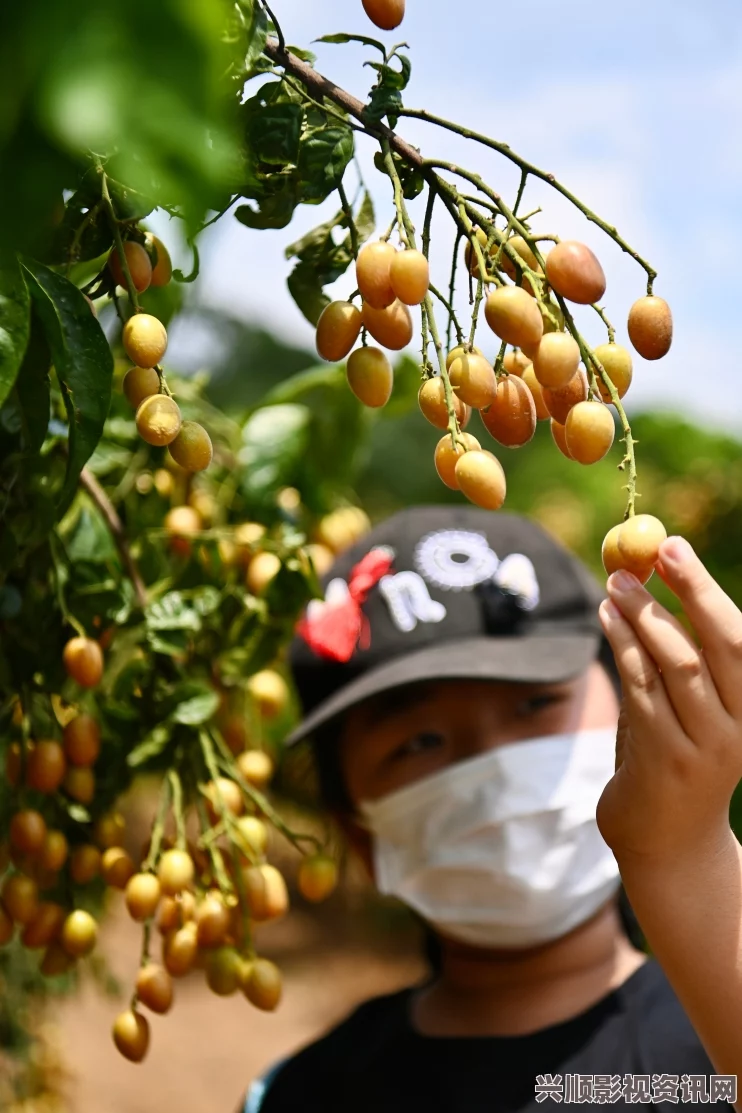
{"x":158,"y":417}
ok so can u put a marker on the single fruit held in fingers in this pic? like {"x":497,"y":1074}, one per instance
{"x":373,"y":274}
{"x":79,"y":933}
{"x":556,"y":360}
{"x":390,"y":327}
{"x":640,"y":540}
{"x":511,"y":419}
{"x":537,"y":391}
{"x":618,"y":365}
{"x":386,"y":14}
{"x":262,"y":984}
{"x":560,"y":400}
{"x":46,"y":766}
{"x":650,"y":327}
{"x":142,"y":896}
{"x":514,"y":317}
{"x":574,"y":271}
{"x":481,"y":478}
{"x":432,"y":401}
{"x":614,"y":560}
{"x":337,"y":330}
{"x":158,"y":420}
{"x":446,"y":457}
{"x":559,"y":436}
{"x":410,"y":275}
{"x":192,"y":447}
{"x":590,"y":432}
{"x":140,"y":383}
{"x":370,"y":377}
{"x":318,"y":878}
{"x":473,"y":379}
{"x":138,"y":262}
{"x":83,"y":660}
{"x":154,"y":988}
{"x":175,"y":872}
{"x":144,"y":339}
{"x":131,"y":1035}
{"x":82,"y":740}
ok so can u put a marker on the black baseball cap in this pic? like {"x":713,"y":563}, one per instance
{"x":443,"y":593}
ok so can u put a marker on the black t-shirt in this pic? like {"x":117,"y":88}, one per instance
{"x":375,"y":1061}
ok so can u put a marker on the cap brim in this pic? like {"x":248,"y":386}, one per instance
{"x":545,"y":660}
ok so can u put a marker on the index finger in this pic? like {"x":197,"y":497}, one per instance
{"x":714,"y":616}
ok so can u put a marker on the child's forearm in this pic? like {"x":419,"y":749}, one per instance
{"x":691,"y":914}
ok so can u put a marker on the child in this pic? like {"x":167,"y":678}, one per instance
{"x":462,"y":707}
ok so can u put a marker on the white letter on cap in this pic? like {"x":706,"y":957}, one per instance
{"x":409,"y":601}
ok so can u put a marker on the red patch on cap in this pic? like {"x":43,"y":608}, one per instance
{"x":336,"y":627}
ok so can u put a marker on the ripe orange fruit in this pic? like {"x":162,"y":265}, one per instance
{"x":270,"y":691}
{"x":223,"y":792}
{"x":46,"y":766}
{"x":140,"y":383}
{"x":390,"y":327}
{"x":318,"y":877}
{"x":159,"y":420}
{"x":117,"y":867}
{"x":370,"y":377}
{"x":590,"y":432}
{"x":83,"y":660}
{"x":162,"y":271}
{"x":262,"y":983}
{"x":140,"y":267}
{"x":515,"y":363}
{"x":175,"y":872}
{"x":192,"y":447}
{"x":446,"y":457}
{"x":556,"y":360}
{"x":53,"y":853}
{"x":614,"y":560}
{"x":174,"y":912}
{"x":650,"y":327}
{"x":82,"y":740}
{"x":337,"y":330}
{"x":470,"y":255}
{"x":212,"y":920}
{"x":460,"y":350}
{"x":27,"y":831}
{"x":79,"y":933}
{"x":561,"y":400}
{"x":559,"y":436}
{"x":481,"y":478}
{"x":640,"y":540}
{"x":373,"y":274}
{"x":142,"y":896}
{"x":511,"y":419}
{"x":519,"y":245}
{"x":432,"y":401}
{"x":20,"y":898}
{"x":410,"y":276}
{"x":514,"y":316}
{"x":180,"y":949}
{"x":265,"y":891}
{"x":537,"y":391}
{"x":45,"y":927}
{"x":473,"y":379}
{"x":131,"y":1035}
{"x":79,"y":783}
{"x":262,"y":569}
{"x":154,"y":988}
{"x":84,"y":864}
{"x":144,"y":339}
{"x":386,"y":14}
{"x":109,"y":830}
{"x":619,"y":366}
{"x":574,"y":271}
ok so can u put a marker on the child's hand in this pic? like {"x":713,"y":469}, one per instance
{"x":679,"y":748}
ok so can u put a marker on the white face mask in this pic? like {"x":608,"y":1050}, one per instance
{"x":502,"y":850}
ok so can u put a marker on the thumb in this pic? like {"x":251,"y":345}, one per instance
{"x":622,"y":735}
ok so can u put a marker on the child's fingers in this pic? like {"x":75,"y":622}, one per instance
{"x":716,"y":619}
{"x":685,"y":674}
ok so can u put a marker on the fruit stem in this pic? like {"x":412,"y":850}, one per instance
{"x":452,"y":290}
{"x":176,"y":787}
{"x":115,"y":228}
{"x":604,"y":318}
{"x":158,"y":827}
{"x":347,"y":209}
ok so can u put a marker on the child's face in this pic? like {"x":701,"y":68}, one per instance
{"x":416,"y":732}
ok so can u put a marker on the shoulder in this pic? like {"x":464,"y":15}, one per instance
{"x":656,"y":1012}
{"x":348,"y":1050}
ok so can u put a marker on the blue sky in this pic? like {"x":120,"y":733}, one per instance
{"x":635,"y":104}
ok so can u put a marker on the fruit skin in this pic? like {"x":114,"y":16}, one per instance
{"x":27,"y":831}
{"x":410,"y":276}
{"x":537,"y":392}
{"x":224,"y":971}
{"x":386,"y":14}
{"x":253,"y":833}
{"x":175,"y":872}
{"x":522,"y":249}
{"x":192,"y":448}
{"x":342,"y":528}
{"x":460,"y":350}
{"x":262,"y":984}
{"x":139,"y":383}
{"x":83,"y":660}
{"x":446,"y":458}
{"x":45,"y":926}
{"x":559,"y":436}
{"x":614,"y":560}
{"x":590,"y":432}
{"x":53,"y":853}
{"x":262,"y":569}
{"x":470,"y":255}
{"x":20,"y":898}
{"x":180,"y":950}
{"x":619,"y":366}
{"x":574,"y":271}
{"x":139,"y":264}
{"x":158,"y":420}
{"x":515,"y":363}
{"x":182,"y":523}
{"x":556,"y":360}
{"x":431,"y":399}
{"x":79,"y":934}
{"x":142,"y":896}
{"x":84,"y":864}
{"x":561,"y":400}
{"x":650,"y":327}
{"x":337,"y":330}
{"x":266,"y":893}
{"x":473,"y":379}
{"x":514,"y":317}
{"x":370,"y":377}
{"x":224,"y":792}
{"x":144,"y":339}
{"x":390,"y":327}
{"x":318,"y":878}
{"x":131,"y":1035}
{"x":81,"y":739}
{"x":46,"y":766}
{"x":481,"y":478}
{"x":321,"y":557}
{"x":270,"y":691}
{"x":256,"y":767}
{"x":162,"y":271}
{"x":154,"y":988}
{"x":212,"y":921}
{"x":117,"y":867}
{"x":640,"y":540}
{"x":79,"y":783}
{"x":511,"y":419}
{"x":373,"y":274}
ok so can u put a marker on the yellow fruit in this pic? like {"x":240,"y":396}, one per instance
{"x":53,"y":853}
{"x":481,"y":478}
{"x":515,"y":363}
{"x":318,"y":878}
{"x":342,"y":528}
{"x":85,"y":864}
{"x":640,"y":540}
{"x":162,"y":271}
{"x":131,"y":1035}
{"x":575,"y":272}
{"x":223,"y":793}
{"x":79,"y":934}
{"x":432,"y":401}
{"x":650,"y":327}
{"x":521,"y":248}
{"x":373,"y":274}
{"x":618,"y":365}
{"x":256,"y":767}
{"x":140,"y":267}
{"x":321,"y":557}
{"x":180,"y":950}
{"x":45,"y":927}
{"x":82,"y":740}
{"x":537,"y":392}
{"x":473,"y":379}
{"x":117,"y":867}
{"x":337,"y":330}
{"x":470,"y":255}
{"x":410,"y":276}
{"x":224,"y":971}
{"x":192,"y":447}
{"x":614,"y":560}
{"x":390,"y":327}
{"x":556,"y":360}
{"x":370,"y":377}
{"x":83,"y":660}
{"x":514,"y":316}
{"x":155,"y":988}
{"x":590,"y":432}
{"x":262,"y":569}
{"x":511,"y":419}
{"x":266,"y":893}
{"x":253,"y":834}
{"x":446,"y":457}
{"x":144,"y":339}
{"x":140,"y":383}
{"x":270,"y":691}
{"x":262,"y":983}
{"x":142,"y":896}
{"x":559,"y":435}
{"x":158,"y":420}
{"x":175,"y":872}
{"x":212,"y":921}
{"x":460,"y":350}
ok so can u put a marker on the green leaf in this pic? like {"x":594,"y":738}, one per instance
{"x":82,"y":360}
{"x":152,"y":746}
{"x":365,"y":218}
{"x":173,"y":612}
{"x":324,"y":155}
{"x":341,"y":38}
{"x":273,"y":212}
{"x":193,"y":712}
{"x":406,"y":389}
{"x":34,"y":387}
{"x":257,"y":33}
{"x":273,"y":131}
{"x":206,"y":600}
{"x":15,"y":324}
{"x":305,"y":55}
{"x":305,"y":288}
{"x":275,"y":442}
